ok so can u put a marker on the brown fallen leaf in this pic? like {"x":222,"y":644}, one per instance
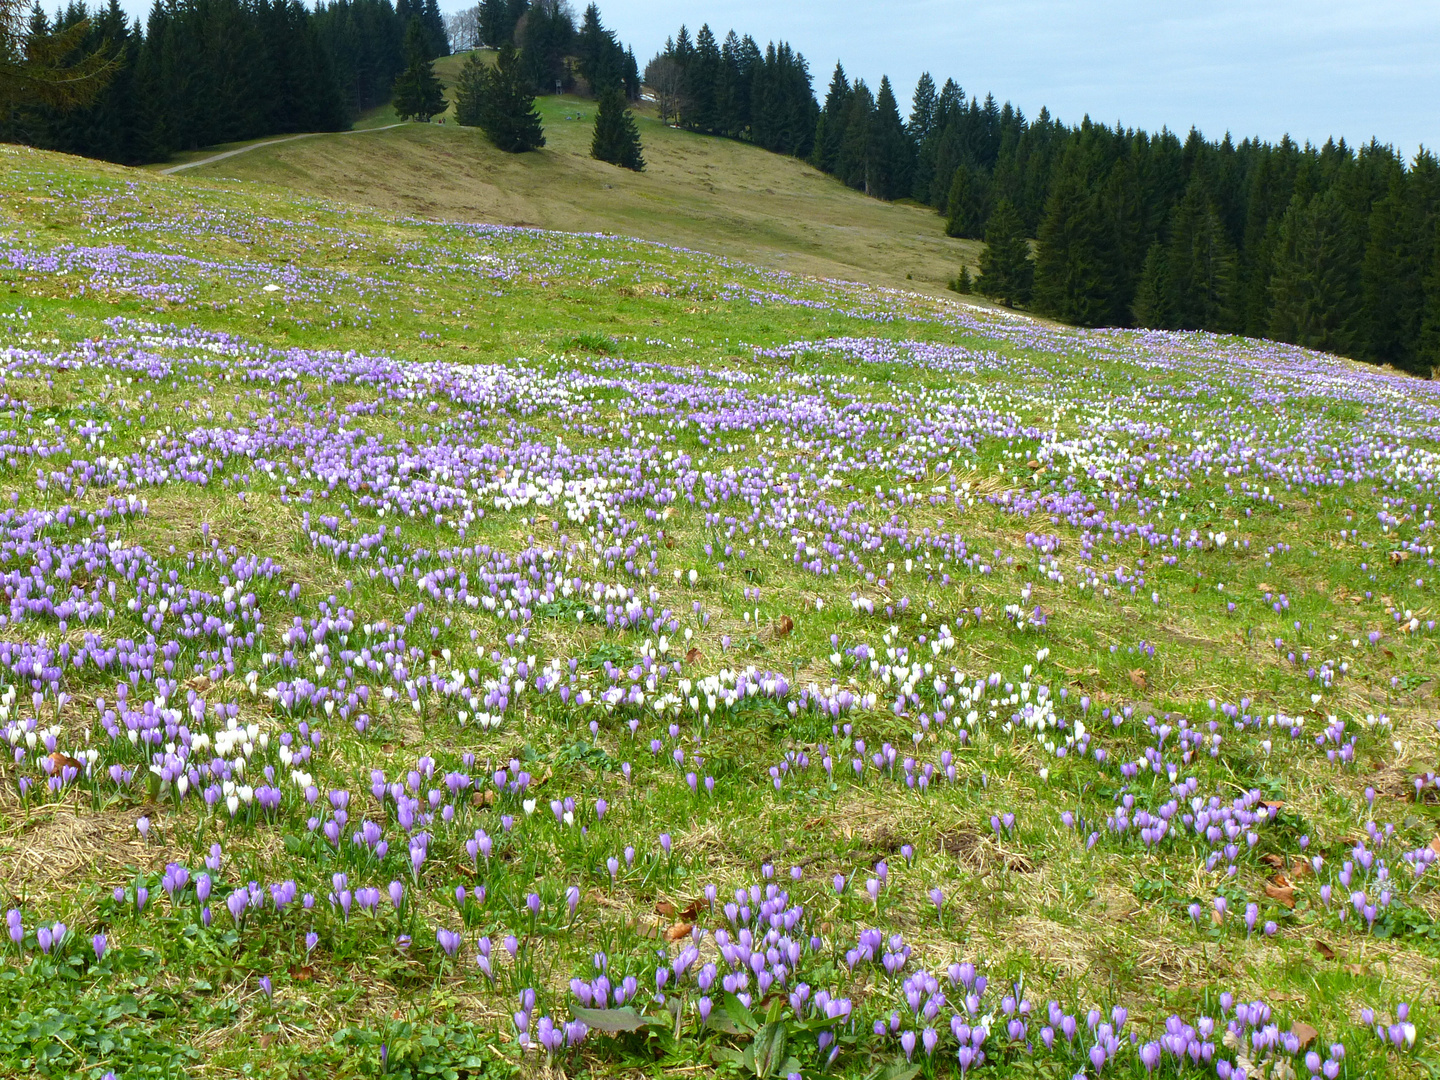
{"x":1300,"y":869}
{"x":1266,"y":587}
{"x":1304,"y":1032}
{"x":266,"y":1040}
{"x":678,"y":931}
{"x":691,"y":911}
{"x":784,"y":625}
{"x":1137,"y":678}
{"x":1275,"y":862}
{"x":1324,"y":950}
{"x":1281,"y":891}
{"x":694,"y":656}
{"x":1435,"y":844}
{"x":1033,"y":465}
{"x":303,"y":973}
{"x":60,"y":761}
{"x":1397,"y":557}
{"x":483,"y":798}
{"x":665,"y":909}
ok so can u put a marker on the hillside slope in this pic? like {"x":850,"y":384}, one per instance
{"x":709,"y":194}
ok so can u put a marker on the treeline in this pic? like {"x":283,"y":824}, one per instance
{"x":1329,"y":247}
{"x":201,"y":72}
{"x":733,"y":89}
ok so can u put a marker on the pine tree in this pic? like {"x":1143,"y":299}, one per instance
{"x":830,"y":128}
{"x":1154,"y":306}
{"x":38,"y":66}
{"x":1428,"y":350}
{"x":418,"y":93}
{"x":892,"y":152}
{"x":616,"y":139}
{"x":966,"y":204}
{"x":500,"y":102}
{"x":1315,"y":288}
{"x":1070,"y":281}
{"x":922,"y":109}
{"x":854,"y":161}
{"x":1201,"y":265}
{"x":1006,"y":271}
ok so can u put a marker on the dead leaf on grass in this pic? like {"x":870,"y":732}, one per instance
{"x":1281,"y":891}
{"x":784,"y":625}
{"x":1137,"y":678}
{"x":666,"y":909}
{"x":678,"y":931}
{"x":1304,"y":1032}
{"x":1324,"y":950}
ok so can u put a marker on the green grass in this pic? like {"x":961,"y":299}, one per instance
{"x":640,"y":337}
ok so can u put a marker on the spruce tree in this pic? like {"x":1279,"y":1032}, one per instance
{"x":892,"y":152}
{"x":1428,"y":350}
{"x":1070,"y":281}
{"x":418,"y":93}
{"x":1315,"y":288}
{"x":1006,"y":271}
{"x":1154,"y":307}
{"x":500,"y":102}
{"x":830,"y":128}
{"x":616,"y":138}
{"x":966,"y":204}
{"x":1201,"y":265}
{"x":854,"y":161}
{"x":472,"y":89}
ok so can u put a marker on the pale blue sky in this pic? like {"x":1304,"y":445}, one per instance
{"x":1312,"y":68}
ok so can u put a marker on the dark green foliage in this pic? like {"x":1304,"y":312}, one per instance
{"x":500,"y":102}
{"x":892,"y":150}
{"x":1153,"y":296}
{"x":418,"y":93}
{"x":546,"y":36}
{"x":856,"y":158}
{"x":735,"y":90}
{"x":966,"y":204}
{"x":601,"y":61}
{"x":1315,"y":286}
{"x":1006,"y":270}
{"x":963,"y":284}
{"x":1428,"y":351}
{"x":365,"y":42}
{"x":498,"y":19}
{"x":1070,"y":272}
{"x":616,"y":139}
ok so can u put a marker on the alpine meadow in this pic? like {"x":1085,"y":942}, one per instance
{"x":583,"y":589}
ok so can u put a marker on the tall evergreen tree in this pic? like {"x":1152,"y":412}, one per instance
{"x":616,"y":138}
{"x":1428,"y":348}
{"x":892,"y":152}
{"x":1315,"y":289}
{"x":1006,"y":270}
{"x":1154,"y":306}
{"x":855,"y":158}
{"x":418,"y":93}
{"x":830,"y":128}
{"x":1201,"y":265}
{"x":500,"y":102}
{"x":1070,"y":281}
{"x":967,"y":204}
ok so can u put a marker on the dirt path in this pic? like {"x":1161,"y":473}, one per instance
{"x":269,"y":142}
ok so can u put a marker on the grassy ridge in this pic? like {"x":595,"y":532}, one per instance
{"x":1066,"y":585}
{"x":709,"y":194}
